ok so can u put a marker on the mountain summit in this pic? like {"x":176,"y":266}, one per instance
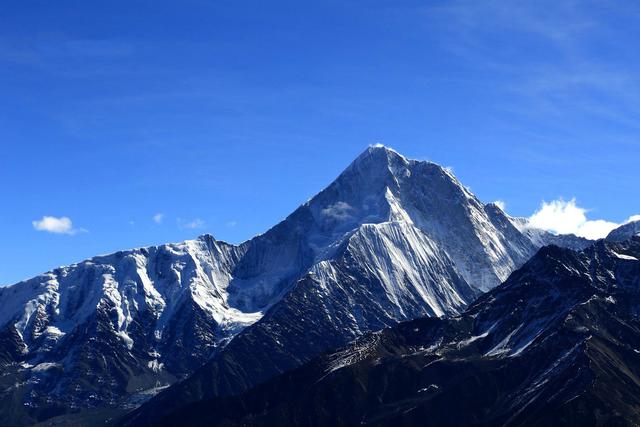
{"x":390,"y":239}
{"x":382,"y":187}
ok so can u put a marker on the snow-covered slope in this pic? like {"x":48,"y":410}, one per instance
{"x":390,"y":239}
{"x":127,"y":320}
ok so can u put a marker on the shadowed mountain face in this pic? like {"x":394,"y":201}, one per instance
{"x":625,"y":232}
{"x":390,"y":239}
{"x":557,"y":344}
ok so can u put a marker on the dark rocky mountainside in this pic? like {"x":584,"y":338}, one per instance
{"x":625,"y":232}
{"x":557,"y":344}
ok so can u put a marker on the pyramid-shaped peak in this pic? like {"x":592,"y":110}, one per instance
{"x":375,"y":165}
{"x":379,"y":163}
{"x":381,"y":151}
{"x":378,"y":159}
{"x":379,"y":155}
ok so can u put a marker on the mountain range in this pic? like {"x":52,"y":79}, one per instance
{"x":557,"y":344}
{"x":390,"y":240}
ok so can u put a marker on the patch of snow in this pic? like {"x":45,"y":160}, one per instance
{"x":470,"y":340}
{"x":126,"y":338}
{"x":360,"y":350}
{"x":503,"y":346}
{"x":54,"y":332}
{"x":41,"y":367}
{"x":625,"y":257}
{"x":430,"y":387}
{"x":155,"y":365}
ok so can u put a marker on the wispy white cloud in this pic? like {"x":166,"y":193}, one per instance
{"x":193,"y":224}
{"x":562,"y":76}
{"x":566,"y":217}
{"x":158,"y":218}
{"x":339,"y":211}
{"x":232,"y":224}
{"x":61,"y":225}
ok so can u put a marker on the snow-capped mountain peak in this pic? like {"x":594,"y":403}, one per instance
{"x":390,"y":239}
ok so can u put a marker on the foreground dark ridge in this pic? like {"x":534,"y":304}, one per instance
{"x":557,"y":344}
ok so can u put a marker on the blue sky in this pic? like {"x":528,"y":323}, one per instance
{"x":149,"y":122}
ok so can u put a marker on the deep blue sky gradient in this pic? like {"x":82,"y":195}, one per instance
{"x":235,"y":112}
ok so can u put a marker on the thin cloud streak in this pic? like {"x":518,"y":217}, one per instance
{"x":565,"y":78}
